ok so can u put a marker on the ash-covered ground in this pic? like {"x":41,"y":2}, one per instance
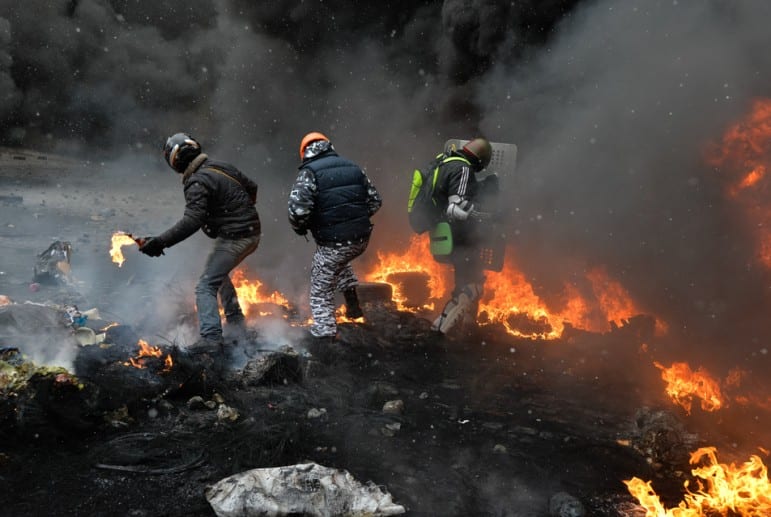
{"x":490,"y":425}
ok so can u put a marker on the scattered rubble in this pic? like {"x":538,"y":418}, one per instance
{"x":53,"y":265}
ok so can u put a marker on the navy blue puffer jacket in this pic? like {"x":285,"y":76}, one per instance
{"x":343,"y":200}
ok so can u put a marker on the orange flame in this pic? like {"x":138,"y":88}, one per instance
{"x":147,"y":350}
{"x":416,"y":258}
{"x":683,"y":384}
{"x":744,"y":154}
{"x":341,"y":317}
{"x":742,"y":490}
{"x":752,"y":177}
{"x":251,"y":297}
{"x":511,"y":301}
{"x":119,"y":239}
{"x":509,"y":298}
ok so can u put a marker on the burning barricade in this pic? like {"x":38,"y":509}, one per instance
{"x":509,"y":299}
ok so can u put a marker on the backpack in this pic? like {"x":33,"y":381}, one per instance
{"x":422,"y":211}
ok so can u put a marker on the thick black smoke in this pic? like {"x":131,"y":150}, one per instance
{"x":611,"y":103}
{"x":121,"y":71}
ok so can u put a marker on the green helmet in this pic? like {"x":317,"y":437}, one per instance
{"x":479,"y":151}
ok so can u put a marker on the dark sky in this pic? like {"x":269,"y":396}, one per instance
{"x":611,"y":103}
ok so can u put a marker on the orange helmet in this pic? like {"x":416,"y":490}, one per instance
{"x":311,"y":137}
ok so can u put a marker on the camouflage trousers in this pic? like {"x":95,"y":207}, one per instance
{"x":330,"y":271}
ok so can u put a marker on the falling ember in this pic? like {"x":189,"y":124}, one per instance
{"x":120,"y":239}
{"x":251,"y":297}
{"x":743,"y":156}
{"x":721,"y":489}
{"x":683,"y":385}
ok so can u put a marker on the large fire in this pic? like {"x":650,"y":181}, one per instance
{"x":743,"y":155}
{"x":742,"y":158}
{"x":509,"y":298}
{"x":721,"y":489}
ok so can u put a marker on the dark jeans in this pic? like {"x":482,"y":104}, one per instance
{"x":225,"y":255}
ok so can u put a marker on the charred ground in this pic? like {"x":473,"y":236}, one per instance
{"x":486,"y":430}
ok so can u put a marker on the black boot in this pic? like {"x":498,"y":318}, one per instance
{"x":352,"y":307}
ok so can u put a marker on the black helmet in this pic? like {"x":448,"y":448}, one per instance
{"x":180,"y":150}
{"x":479,"y":151}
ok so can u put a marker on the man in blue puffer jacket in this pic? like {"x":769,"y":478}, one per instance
{"x":334,"y":199}
{"x":220,"y":200}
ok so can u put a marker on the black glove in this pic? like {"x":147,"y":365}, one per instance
{"x":300,"y":231}
{"x":153,"y":247}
